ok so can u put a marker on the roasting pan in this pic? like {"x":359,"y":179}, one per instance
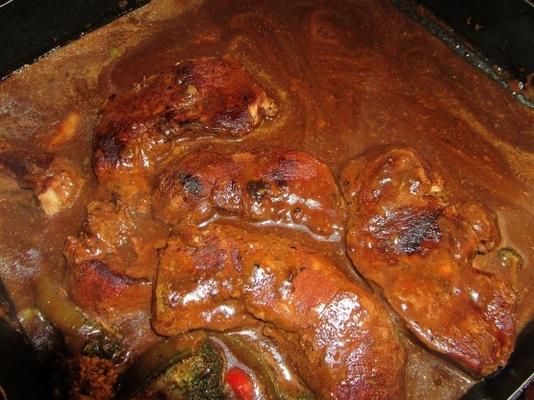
{"x":504,"y":51}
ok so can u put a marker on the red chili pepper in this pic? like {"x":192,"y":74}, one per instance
{"x":240,"y":383}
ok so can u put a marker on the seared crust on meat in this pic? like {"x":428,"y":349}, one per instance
{"x":407,"y":238}
{"x":224,"y":273}
{"x":112,"y":261}
{"x":290,"y":187}
{"x":95,"y":287}
{"x":203,"y":97}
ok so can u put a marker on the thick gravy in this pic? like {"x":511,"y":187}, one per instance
{"x":346,"y":77}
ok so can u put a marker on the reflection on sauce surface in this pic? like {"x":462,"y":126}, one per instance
{"x":346,"y":78}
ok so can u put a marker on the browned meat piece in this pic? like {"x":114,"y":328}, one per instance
{"x":113,"y":260}
{"x":406,"y":238}
{"x":484,"y":223}
{"x":284,"y":186}
{"x":214,"y":278}
{"x":54,"y":180}
{"x":97,"y":288}
{"x":138,"y":129}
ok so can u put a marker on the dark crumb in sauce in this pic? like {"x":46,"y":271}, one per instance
{"x":92,"y":378}
{"x":258,"y":190}
{"x":190,"y":183}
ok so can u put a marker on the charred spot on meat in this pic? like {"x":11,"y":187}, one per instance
{"x":408,"y":238}
{"x":406,"y":231}
{"x":213,"y":97}
{"x":282,"y":186}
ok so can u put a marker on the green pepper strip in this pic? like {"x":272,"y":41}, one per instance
{"x":253,"y":359}
{"x":62,"y":312}
{"x":72,"y":321}
{"x":157,"y":360}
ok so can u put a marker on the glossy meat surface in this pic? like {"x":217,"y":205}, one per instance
{"x":347,"y":77}
{"x":113,"y":259}
{"x":285,"y":186}
{"x":54,"y":180}
{"x":407,"y":238}
{"x":204,"y":97}
{"x":219,"y":277}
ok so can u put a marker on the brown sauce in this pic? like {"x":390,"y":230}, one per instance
{"x":346,"y":77}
